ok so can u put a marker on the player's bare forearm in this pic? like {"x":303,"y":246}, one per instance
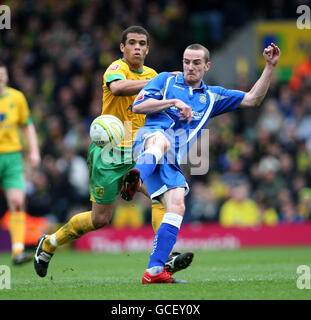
{"x":32,"y":141}
{"x":127,"y":87}
{"x":153,"y":105}
{"x":255,"y":96}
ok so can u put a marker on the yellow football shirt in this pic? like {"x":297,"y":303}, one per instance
{"x":14,"y":112}
{"x":121,"y":106}
{"x":243,"y":214}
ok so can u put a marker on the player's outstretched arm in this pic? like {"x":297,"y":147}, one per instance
{"x":153,"y":105}
{"x":255,"y":96}
{"x":127,"y":87}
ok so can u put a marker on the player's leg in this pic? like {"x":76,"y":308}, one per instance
{"x":154,"y":149}
{"x":13,"y":184}
{"x":157,"y":215}
{"x":105,"y":182}
{"x":176,"y":261}
{"x":166,"y":236}
{"x":75,"y":228}
{"x":17,"y":225}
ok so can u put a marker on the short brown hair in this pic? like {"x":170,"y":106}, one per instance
{"x":3,"y":65}
{"x":134,"y":29}
{"x":197,"y":46}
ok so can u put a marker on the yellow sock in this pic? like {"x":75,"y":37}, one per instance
{"x":17,"y":228}
{"x":75,"y":228}
{"x":158,"y":212}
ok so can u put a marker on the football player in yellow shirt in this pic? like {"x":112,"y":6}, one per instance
{"x":123,"y":80}
{"x":14,"y":113}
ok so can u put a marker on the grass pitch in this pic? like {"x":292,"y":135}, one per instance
{"x":213,"y":275}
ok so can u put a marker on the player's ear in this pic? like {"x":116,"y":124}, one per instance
{"x":207,"y":66}
{"x":122,"y":47}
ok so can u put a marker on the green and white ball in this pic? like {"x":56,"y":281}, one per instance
{"x":107,"y":129}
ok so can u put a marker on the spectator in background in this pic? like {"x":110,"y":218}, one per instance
{"x":39,"y":200}
{"x":289,"y":213}
{"x":270,"y":182}
{"x":203,"y":203}
{"x":239,"y":209}
{"x":271,"y":118}
{"x":286,"y":101}
{"x":130,"y":215}
{"x":304,"y":203}
{"x":301,"y":73}
{"x":59,"y":187}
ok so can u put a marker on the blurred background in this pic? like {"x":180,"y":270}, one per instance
{"x":259,"y":160}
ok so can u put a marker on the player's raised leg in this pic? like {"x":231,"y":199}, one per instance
{"x":155,"y":147}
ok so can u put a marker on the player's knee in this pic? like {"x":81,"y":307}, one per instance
{"x":178,"y":206}
{"x":166,"y":145}
{"x":16,"y":204}
{"x":160,"y":141}
{"x":101,"y":218}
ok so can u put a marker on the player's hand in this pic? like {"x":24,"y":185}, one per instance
{"x":34,"y":159}
{"x":272,"y":54}
{"x":185,"y":112}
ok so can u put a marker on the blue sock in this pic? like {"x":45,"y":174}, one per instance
{"x":146,"y":164}
{"x":163,"y":244}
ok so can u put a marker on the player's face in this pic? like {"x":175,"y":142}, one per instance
{"x":3,"y":77}
{"x":135,"y":49}
{"x":194,"y":66}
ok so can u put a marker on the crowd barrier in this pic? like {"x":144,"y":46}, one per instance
{"x":191,"y":236}
{"x":197,"y":236}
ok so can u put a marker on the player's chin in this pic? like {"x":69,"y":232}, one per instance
{"x":191,"y":79}
{"x":138,"y":58}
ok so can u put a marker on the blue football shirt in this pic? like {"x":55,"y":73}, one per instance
{"x":205,"y":102}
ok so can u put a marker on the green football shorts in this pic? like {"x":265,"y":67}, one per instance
{"x":106,"y":171}
{"x":11,"y":171}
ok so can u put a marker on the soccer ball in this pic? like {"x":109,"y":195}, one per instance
{"x":107,"y":129}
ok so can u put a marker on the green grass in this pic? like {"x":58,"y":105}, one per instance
{"x":239,"y":274}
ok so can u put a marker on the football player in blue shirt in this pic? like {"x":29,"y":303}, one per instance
{"x":177,"y":108}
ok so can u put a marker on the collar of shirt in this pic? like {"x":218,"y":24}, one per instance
{"x":180,"y":80}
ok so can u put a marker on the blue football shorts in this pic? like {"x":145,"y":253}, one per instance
{"x":167,"y":174}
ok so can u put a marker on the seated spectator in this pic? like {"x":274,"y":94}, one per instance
{"x":239,"y":210}
{"x":270,"y":183}
{"x":271,"y":119}
{"x":129,"y":214}
{"x":289,"y":213}
{"x":203,"y":203}
{"x":304,"y":203}
{"x":301,"y":72}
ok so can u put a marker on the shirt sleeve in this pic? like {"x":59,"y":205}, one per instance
{"x":226,"y":100}
{"x":114,"y":72}
{"x":24,"y":117}
{"x":155,"y":89}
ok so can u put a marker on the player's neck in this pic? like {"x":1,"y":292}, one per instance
{"x":3,"y":91}
{"x":134,"y":67}
{"x":194,"y":85}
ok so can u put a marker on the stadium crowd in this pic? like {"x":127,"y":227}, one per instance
{"x":57,"y":52}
